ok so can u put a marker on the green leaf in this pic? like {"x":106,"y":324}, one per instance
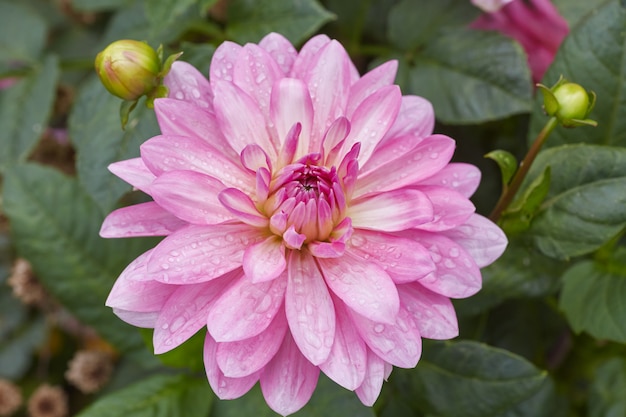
{"x":30,"y":28}
{"x":593,"y":300}
{"x":18,"y":347}
{"x":585,"y":205}
{"x":189,"y":355}
{"x":470,"y":76}
{"x":55,"y":226}
{"x":157,"y":396}
{"x":507,"y":163}
{"x":606,"y":396}
{"x":468,"y":379}
{"x":521,"y":272}
{"x":414,"y":23}
{"x":162,"y":13}
{"x":575,"y":10}
{"x":96,"y":132}
{"x":329,"y":399}
{"x":592,"y":56}
{"x":517,"y":217}
{"x":99,"y":5}
{"x":24,"y":111}
{"x":198,"y":55}
{"x":297,"y":20}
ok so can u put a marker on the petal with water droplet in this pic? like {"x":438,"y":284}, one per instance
{"x":224,"y":387}
{"x":369,"y":390}
{"x":309,"y":307}
{"x":280,"y":49}
{"x":145,"y":219}
{"x":265,"y":260}
{"x":245,"y":309}
{"x":135,"y":172}
{"x":364,"y":286}
{"x":184,"y":81}
{"x":244,"y":357}
{"x":450,"y":208}
{"x":346,"y":364}
{"x":433,"y":314}
{"x":192,"y":196}
{"x":204,"y":253}
{"x":381,"y":76}
{"x":289,"y":379}
{"x":481,"y":238}
{"x":463,"y":178}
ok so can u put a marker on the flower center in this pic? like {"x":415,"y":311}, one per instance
{"x":306,"y":198}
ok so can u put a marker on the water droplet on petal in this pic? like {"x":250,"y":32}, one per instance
{"x":379,"y":328}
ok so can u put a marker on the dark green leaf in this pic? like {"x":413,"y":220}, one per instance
{"x":99,"y":139}
{"x":24,"y":111}
{"x":507,"y":163}
{"x":414,"y":23}
{"x":606,"y":397}
{"x":198,"y":55}
{"x":519,"y":214}
{"x":55,"y":226}
{"x":99,"y":5}
{"x":250,"y":20}
{"x":593,"y":300}
{"x":575,"y":10}
{"x":521,"y":272}
{"x":593,"y":58}
{"x":162,"y":13}
{"x":157,"y":396}
{"x":468,"y":379}
{"x":471,"y":76}
{"x":329,"y":399}
{"x":18,"y":348}
{"x":585,"y":205}
{"x":26,"y":47}
{"x":188,"y":355}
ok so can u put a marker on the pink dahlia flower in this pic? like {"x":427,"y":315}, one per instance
{"x":313,"y":223}
{"x":535,"y":24}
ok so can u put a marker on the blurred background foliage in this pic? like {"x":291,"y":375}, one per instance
{"x":545,"y":337}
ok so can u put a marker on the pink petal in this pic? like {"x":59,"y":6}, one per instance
{"x":255,"y":73}
{"x":192,"y":196}
{"x":253,"y":158}
{"x":178,"y":118}
{"x":265,"y":260}
{"x":450,"y":208}
{"x":138,"y":295}
{"x":145,"y":219}
{"x":405,"y":260}
{"x":310,"y":310}
{"x":223,"y":62}
{"x":372,"y":119}
{"x":481,"y":238}
{"x":134,"y":172}
{"x":289,"y":379}
{"x":200,"y":253}
{"x":281,"y":50}
{"x":185,"y":82}
{"x":463,"y":178}
{"x":399,"y":344}
{"x":245,"y":309}
{"x":369,"y":390}
{"x":416,"y":118}
{"x":241,"y":119}
{"x":328,"y":80}
{"x":146,"y":320}
{"x":433,"y":314}
{"x":242,"y":207}
{"x":381,"y":76}
{"x":346,"y":364}
{"x":291,"y":104}
{"x":457,"y":275}
{"x":175,"y":153}
{"x":365,"y":287}
{"x":391,"y":211}
{"x":389,"y":151}
{"x":244,"y":357}
{"x":224,"y":387}
{"x":185,"y":312}
{"x":423,"y":161}
{"x":307,"y":55}
{"x":334,"y":138}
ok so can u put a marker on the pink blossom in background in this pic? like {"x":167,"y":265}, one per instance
{"x":535,"y":24}
{"x":313,"y":223}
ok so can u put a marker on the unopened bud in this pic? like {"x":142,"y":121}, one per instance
{"x":129,"y":69}
{"x":569,"y":102}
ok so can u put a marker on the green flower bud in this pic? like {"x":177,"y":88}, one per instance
{"x":570,"y":103}
{"x":129,"y":69}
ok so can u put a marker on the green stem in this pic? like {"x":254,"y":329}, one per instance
{"x":510,"y":191}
